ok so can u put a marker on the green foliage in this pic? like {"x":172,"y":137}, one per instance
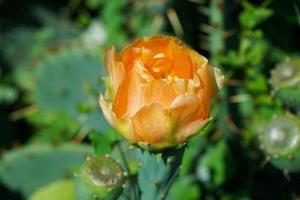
{"x":30,"y":167}
{"x":212,"y":169}
{"x":8,"y":94}
{"x":63,"y":189}
{"x":184,"y":189}
{"x":253,"y":16}
{"x":51,"y":68}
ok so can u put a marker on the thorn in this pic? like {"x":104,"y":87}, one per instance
{"x":155,"y":183}
{"x":197,"y":1}
{"x":227,"y":34}
{"x":286,"y":175}
{"x":162,"y":195}
{"x":175,"y":22}
{"x":264,"y":162}
{"x":204,"y":10}
{"x":170,"y":160}
{"x":205,"y":28}
{"x":125,"y":174}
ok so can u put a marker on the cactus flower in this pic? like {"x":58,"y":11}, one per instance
{"x":159,"y":91}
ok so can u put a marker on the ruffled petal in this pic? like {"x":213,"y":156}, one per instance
{"x":209,"y":86}
{"x":115,"y":69}
{"x":188,"y":112}
{"x":190,"y":129}
{"x":158,"y":91}
{"x":130,"y":96}
{"x":152,"y":124}
{"x":106,"y":109}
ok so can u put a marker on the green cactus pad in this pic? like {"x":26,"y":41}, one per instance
{"x":99,"y":178}
{"x":66,"y":80}
{"x":285,"y":80}
{"x":30,"y":167}
{"x":280,"y":140}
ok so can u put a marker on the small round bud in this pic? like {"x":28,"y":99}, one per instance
{"x":280,"y":140}
{"x":285,"y":80}
{"x":99,"y":176}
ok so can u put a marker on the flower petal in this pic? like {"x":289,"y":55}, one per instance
{"x":189,"y":130}
{"x":106,"y":109}
{"x":209,"y":86}
{"x":189,"y":115}
{"x":115,"y":69}
{"x":130,"y":96}
{"x":123,"y":126}
{"x":158,"y":91}
{"x":187,"y":108}
{"x":152,"y":124}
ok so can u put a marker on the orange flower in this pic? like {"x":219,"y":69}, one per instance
{"x":158,"y":91}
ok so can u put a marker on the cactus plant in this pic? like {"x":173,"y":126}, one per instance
{"x":286,"y":82}
{"x":64,"y":81}
{"x":157,"y":172}
{"x":99,"y":178}
{"x":280,"y":140}
{"x":27,"y":168}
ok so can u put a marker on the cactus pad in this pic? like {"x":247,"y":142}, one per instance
{"x":66,"y":79}
{"x":30,"y":167}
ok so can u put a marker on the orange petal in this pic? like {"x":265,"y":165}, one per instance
{"x":190,"y":129}
{"x":158,"y":91}
{"x":130,"y":95}
{"x":123,"y":126}
{"x":208,"y":84}
{"x":186,"y":109}
{"x":189,"y":115}
{"x":152,"y":124}
{"x":115,"y":69}
{"x":182,"y":64}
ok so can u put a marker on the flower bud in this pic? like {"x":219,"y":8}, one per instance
{"x":281,"y":142}
{"x":159,"y":91}
{"x":285,"y":80}
{"x":100,"y":177}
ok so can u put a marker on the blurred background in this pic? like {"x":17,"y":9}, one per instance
{"x":51,"y":64}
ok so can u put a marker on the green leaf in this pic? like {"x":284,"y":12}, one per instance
{"x":103,"y":142}
{"x":183,"y":188}
{"x":253,"y":16}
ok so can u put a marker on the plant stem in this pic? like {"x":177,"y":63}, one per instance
{"x":173,"y":159}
